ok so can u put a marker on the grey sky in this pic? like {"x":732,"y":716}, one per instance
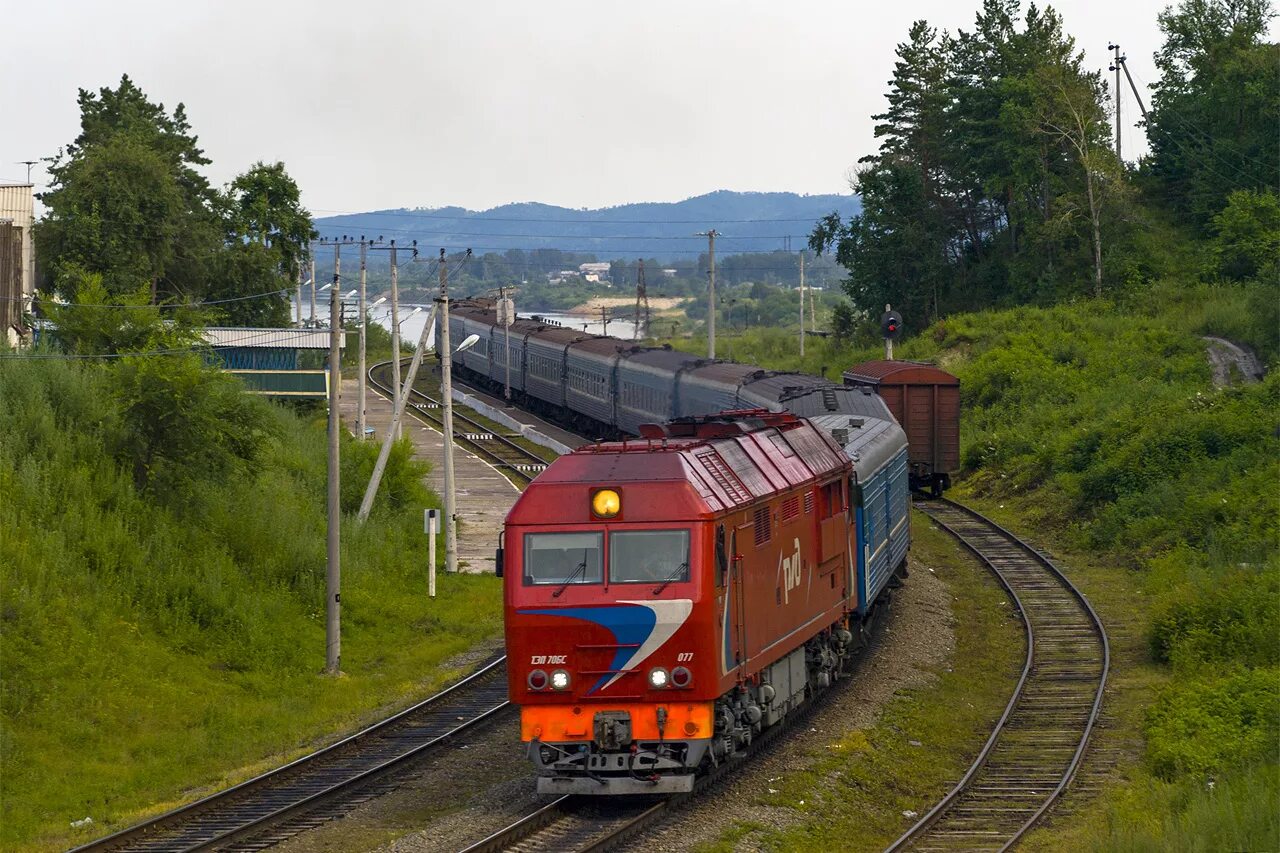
{"x":579,"y":103}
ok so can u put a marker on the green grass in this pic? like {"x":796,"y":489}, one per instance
{"x":1094,"y":426}
{"x":855,"y":790}
{"x":156,"y":647}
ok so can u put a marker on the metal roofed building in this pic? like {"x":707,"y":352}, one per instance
{"x":268,"y":360}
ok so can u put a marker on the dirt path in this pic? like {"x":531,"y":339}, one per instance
{"x":1225,"y":355}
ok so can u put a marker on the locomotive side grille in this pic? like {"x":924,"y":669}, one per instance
{"x":790,"y":508}
{"x":763,"y":530}
{"x":808,"y":502}
{"x":724,"y":476}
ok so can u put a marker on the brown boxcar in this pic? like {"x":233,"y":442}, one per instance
{"x":926,"y":402}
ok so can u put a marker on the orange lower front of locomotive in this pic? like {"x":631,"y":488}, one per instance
{"x":641,"y":748}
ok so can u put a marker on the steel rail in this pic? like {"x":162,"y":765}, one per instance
{"x":937,"y":816}
{"x":148,"y":832}
{"x":507,"y":465}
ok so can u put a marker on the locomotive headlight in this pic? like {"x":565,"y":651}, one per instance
{"x":605,"y":503}
{"x":681,"y":676}
{"x":560,"y":680}
{"x":658,"y":677}
{"x":537,"y":680}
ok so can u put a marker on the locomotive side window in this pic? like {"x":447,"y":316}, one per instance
{"x":560,"y":558}
{"x":722,"y":558}
{"x":649,"y":556}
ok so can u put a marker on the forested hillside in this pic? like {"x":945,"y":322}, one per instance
{"x":1070,"y":292}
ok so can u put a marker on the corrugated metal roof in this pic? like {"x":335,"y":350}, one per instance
{"x":902,"y":372}
{"x":227,"y":336}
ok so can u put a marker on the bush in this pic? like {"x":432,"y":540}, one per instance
{"x":1209,"y":724}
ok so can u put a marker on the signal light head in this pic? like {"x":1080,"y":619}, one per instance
{"x":605,"y":503}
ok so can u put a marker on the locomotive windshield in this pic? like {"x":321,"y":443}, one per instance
{"x":562,"y":558}
{"x":649,"y":556}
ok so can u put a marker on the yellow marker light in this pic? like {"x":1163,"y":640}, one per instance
{"x":605,"y":503}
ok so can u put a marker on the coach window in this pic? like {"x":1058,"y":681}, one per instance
{"x":558,"y":558}
{"x":649,"y":556}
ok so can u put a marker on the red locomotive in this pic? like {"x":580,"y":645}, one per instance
{"x":669,"y":597}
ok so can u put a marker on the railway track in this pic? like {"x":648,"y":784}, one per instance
{"x":1039,"y":741}
{"x":269,"y":808}
{"x":1027,"y":762}
{"x":576,"y":824}
{"x":518,"y":464}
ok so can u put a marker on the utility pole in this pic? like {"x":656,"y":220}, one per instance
{"x":333,"y":576}
{"x":361,"y":415}
{"x":298,"y":301}
{"x":506,"y":317}
{"x":313,"y":291}
{"x":446,"y":388}
{"x":1115,"y":66}
{"x":813,"y":311}
{"x":395,"y":334}
{"x":604,"y":318}
{"x":802,"y":304}
{"x":642,"y":301}
{"x":711,"y":295}
{"x":396,"y":391}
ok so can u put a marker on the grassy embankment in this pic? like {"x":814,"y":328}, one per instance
{"x":156,"y":646}
{"x":1095,"y":427}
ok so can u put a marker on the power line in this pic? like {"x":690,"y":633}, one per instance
{"x":190,"y":305}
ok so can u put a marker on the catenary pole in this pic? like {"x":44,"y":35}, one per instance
{"x":313,"y":292}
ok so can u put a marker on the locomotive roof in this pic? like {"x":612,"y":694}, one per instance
{"x":734,"y":463}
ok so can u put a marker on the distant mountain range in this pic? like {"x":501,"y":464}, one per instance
{"x":747,"y":221}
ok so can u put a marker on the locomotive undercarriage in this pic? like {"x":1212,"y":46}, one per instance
{"x":613,"y":764}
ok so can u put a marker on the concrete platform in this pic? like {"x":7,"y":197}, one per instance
{"x":484,"y":495}
{"x":525,"y":423}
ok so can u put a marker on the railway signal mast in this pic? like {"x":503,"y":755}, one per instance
{"x":891,"y":329}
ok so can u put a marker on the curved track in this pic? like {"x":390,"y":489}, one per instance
{"x":269,"y":808}
{"x":518,"y":464}
{"x":1040,"y":739}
